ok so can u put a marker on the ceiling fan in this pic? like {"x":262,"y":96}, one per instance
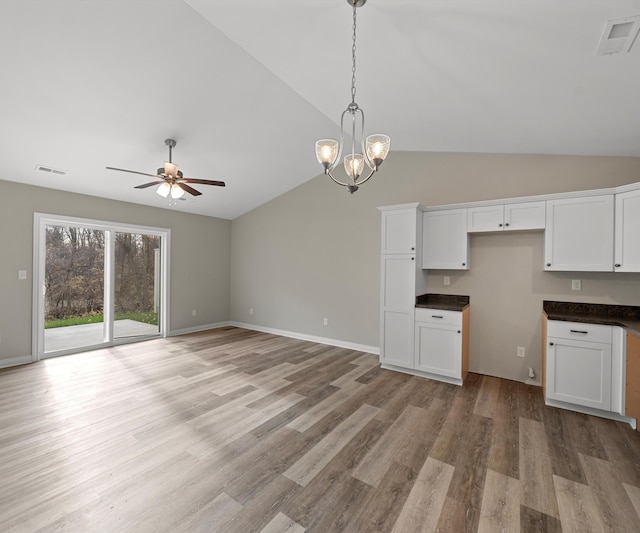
{"x":171,"y":180}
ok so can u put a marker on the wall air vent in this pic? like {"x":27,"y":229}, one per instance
{"x":618,"y":35}
{"x":51,"y":170}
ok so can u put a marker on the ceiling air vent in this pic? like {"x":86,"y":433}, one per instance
{"x":51,"y":170}
{"x":618,"y":35}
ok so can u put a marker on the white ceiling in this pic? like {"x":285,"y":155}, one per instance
{"x":246,"y":87}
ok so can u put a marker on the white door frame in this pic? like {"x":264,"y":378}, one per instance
{"x":40,"y":221}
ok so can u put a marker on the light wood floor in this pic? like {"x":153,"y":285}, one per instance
{"x":239,"y":431}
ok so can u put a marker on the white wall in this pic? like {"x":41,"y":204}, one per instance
{"x":314,"y":252}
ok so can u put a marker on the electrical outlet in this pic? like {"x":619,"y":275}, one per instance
{"x":521,"y":351}
{"x":22,"y":274}
{"x":250,"y":310}
{"x":193,"y":312}
{"x":576,"y":285}
{"x":326,"y":322}
{"x":447,"y":280}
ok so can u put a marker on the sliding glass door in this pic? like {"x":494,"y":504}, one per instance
{"x":136,"y":285}
{"x":97,"y":284}
{"x":73,"y":287}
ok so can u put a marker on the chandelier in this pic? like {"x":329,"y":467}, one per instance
{"x":372,"y":152}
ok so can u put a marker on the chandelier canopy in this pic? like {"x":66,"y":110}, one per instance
{"x":372,"y":151}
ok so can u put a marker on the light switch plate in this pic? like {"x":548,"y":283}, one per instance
{"x":22,"y":274}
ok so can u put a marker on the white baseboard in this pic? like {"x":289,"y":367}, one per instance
{"x":197,"y":329}
{"x":15,"y":361}
{"x":311,"y":338}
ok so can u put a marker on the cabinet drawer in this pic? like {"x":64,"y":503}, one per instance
{"x":438,"y":316}
{"x":579,"y":331}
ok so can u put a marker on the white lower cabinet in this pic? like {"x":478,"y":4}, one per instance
{"x":440,"y":338}
{"x":398,"y":328}
{"x":439,"y":349}
{"x":583,"y":366}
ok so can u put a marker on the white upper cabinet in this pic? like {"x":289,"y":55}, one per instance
{"x":445,"y":240}
{"x":507,"y":217}
{"x":486,"y":218}
{"x":579,"y":234}
{"x":627,"y":232}
{"x":399,"y":235}
{"x":527,"y":215}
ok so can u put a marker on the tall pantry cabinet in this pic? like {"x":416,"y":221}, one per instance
{"x":402,"y":279}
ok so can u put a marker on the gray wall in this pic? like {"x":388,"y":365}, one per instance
{"x":200,"y":257}
{"x":314,"y":252}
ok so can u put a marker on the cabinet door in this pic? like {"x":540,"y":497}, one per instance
{"x":399,"y":231}
{"x":397,"y":338}
{"x":627,"y":232}
{"x":438,"y":349}
{"x":398,"y":282}
{"x":579,"y":373}
{"x":397,"y":309}
{"x":487,"y":218}
{"x":579,"y":234}
{"x":527,"y":215}
{"x":445,"y":240}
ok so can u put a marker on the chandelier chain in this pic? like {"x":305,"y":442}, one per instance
{"x":353,"y":57}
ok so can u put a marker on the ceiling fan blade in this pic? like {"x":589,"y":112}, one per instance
{"x":132,"y":171}
{"x":204,"y":182}
{"x":150,"y":184}
{"x":190,"y":190}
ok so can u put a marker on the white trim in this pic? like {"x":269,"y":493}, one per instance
{"x":197,"y":329}
{"x":311,"y":338}
{"x":540,"y":197}
{"x":413,"y":205}
{"x":16,"y":361}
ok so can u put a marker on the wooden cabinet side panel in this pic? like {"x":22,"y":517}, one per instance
{"x":544,"y":355}
{"x":465,"y":343}
{"x":632,"y":398}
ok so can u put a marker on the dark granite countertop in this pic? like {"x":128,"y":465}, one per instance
{"x":446,"y":302}
{"x":624,"y":316}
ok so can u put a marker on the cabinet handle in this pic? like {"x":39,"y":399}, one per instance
{"x":617,"y":265}
{"x":464,"y":264}
{"x":499,"y":225}
{"x":412,"y":248}
{"x":413,"y":259}
{"x":550,"y":344}
{"x":507,"y":224}
{"x":548,"y":264}
{"x":578,"y":331}
{"x":459,"y":331}
{"x":436,"y":316}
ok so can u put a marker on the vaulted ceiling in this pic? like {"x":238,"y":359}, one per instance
{"x":246,"y":87}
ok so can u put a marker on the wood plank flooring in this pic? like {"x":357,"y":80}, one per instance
{"x":238,"y":431}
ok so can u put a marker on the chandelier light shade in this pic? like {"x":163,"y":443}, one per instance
{"x":359,"y":165}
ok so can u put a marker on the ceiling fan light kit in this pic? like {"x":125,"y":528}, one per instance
{"x":374,"y":149}
{"x":172,"y":182}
